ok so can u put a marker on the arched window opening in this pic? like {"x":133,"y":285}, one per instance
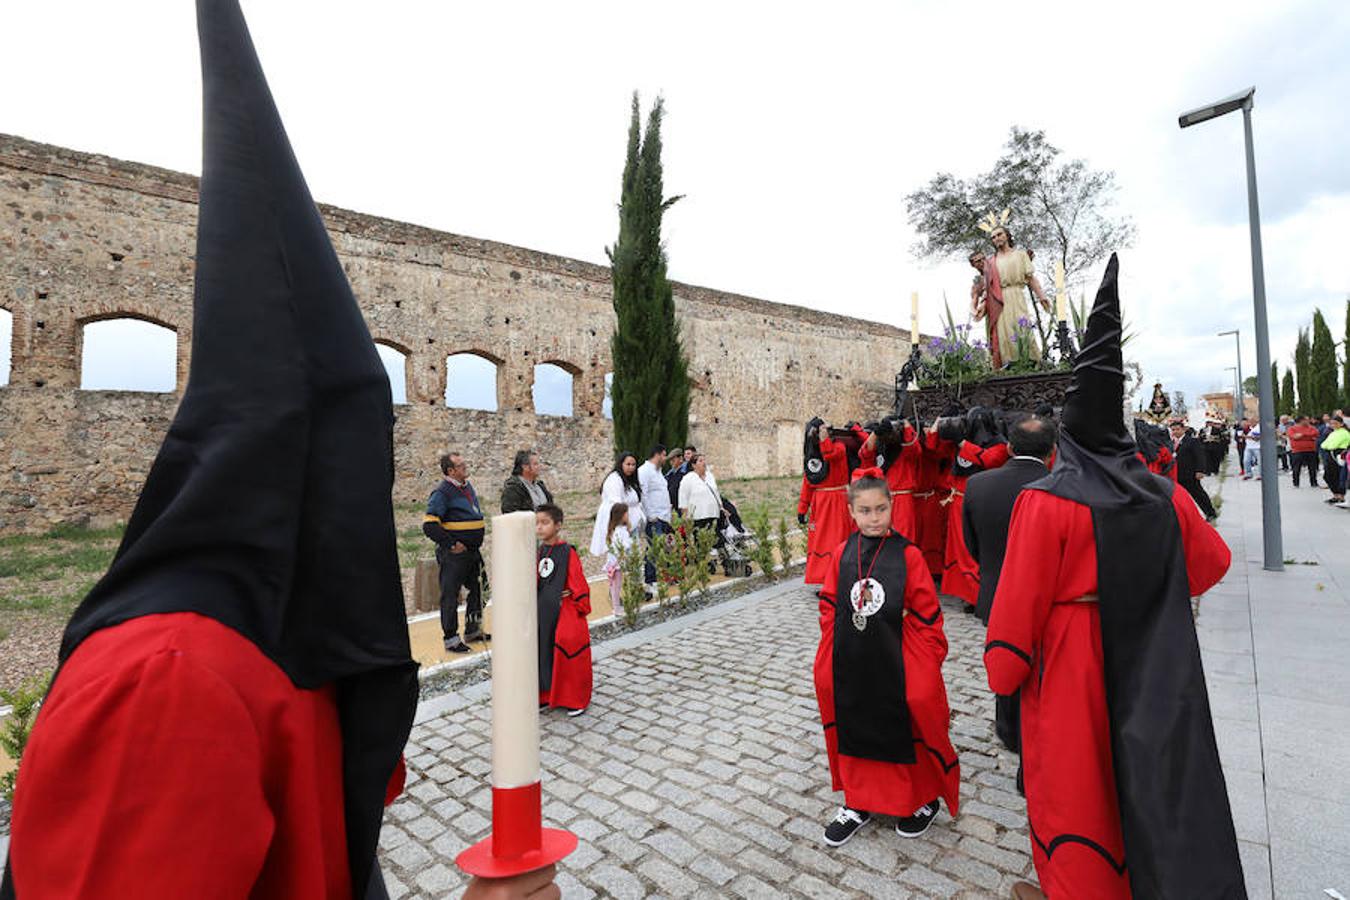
{"x":6,"y":342}
{"x":396,"y":367}
{"x":607,"y":405}
{"x":552,"y":390}
{"x":128,"y":355}
{"x":470,"y":382}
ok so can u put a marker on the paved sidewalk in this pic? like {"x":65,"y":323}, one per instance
{"x":700,"y":771}
{"x":1275,"y":660}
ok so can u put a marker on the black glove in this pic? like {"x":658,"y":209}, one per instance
{"x":801,"y":518}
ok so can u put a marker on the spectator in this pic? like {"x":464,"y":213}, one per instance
{"x":1303,"y":448}
{"x":674,"y":459}
{"x":524,"y":491}
{"x":1282,"y":443}
{"x":1252,"y":456}
{"x":620,"y":486}
{"x":677,"y":473}
{"x":655,"y":505}
{"x":699,"y":498}
{"x":1240,"y":439}
{"x":618,"y":541}
{"x":454,"y":521}
{"x":1334,"y":446}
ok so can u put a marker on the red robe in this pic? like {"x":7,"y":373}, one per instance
{"x":1045,"y":641}
{"x":1164,"y":464}
{"x":827,"y":503}
{"x":903,"y":479}
{"x":572,"y":675}
{"x":961,"y":573}
{"x":935,"y":476}
{"x":173,"y":759}
{"x":884,"y":787}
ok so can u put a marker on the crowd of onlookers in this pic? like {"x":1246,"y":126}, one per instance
{"x":636,"y":498}
{"x":1302,"y":443}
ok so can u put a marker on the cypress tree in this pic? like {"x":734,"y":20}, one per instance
{"x":650,"y":394}
{"x":1345,"y":366}
{"x":1287,"y":407}
{"x":1275,"y":388}
{"x":1322,"y":367}
{"x":1302,"y":351}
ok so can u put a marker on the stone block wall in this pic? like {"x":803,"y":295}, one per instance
{"x":85,"y":238}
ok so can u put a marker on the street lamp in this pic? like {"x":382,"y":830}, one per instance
{"x":1270,"y":488}
{"x":1239,"y":408}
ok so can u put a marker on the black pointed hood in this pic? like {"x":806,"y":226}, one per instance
{"x":269,"y":505}
{"x":1096,"y":464}
{"x":1163,"y":753}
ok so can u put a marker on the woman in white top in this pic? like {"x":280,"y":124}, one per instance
{"x":621,"y":486}
{"x":699,"y":499}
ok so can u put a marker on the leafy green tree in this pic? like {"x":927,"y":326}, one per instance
{"x":1287,"y":407}
{"x":1060,"y":207}
{"x":1249,"y":386}
{"x":650,"y":394}
{"x":1303,"y":371}
{"x":1322,"y":367}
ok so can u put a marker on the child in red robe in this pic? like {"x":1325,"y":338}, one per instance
{"x":564,"y":603}
{"x":878,"y":676}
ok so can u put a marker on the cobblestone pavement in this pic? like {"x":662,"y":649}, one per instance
{"x":700,"y":771}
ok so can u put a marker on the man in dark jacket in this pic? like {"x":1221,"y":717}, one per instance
{"x":1190,"y":456}
{"x":454,"y":521}
{"x":676,"y":475}
{"x":989,"y":500}
{"x":524,"y":491}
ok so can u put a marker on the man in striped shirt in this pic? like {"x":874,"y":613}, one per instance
{"x":454,"y":521}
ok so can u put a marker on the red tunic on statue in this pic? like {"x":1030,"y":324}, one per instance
{"x":827,"y":503}
{"x":1046,"y":640}
{"x":572,"y":674}
{"x":935,"y":477}
{"x":173,"y":759}
{"x":961,"y":573}
{"x":884,"y":787}
{"x":903,"y":479}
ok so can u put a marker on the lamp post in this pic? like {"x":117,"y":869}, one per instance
{"x":1239,"y":407}
{"x":1270,"y":488}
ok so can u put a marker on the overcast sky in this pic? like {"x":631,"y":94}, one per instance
{"x":795,"y":130}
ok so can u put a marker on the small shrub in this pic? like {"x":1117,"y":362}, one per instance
{"x":25,"y":699}
{"x":631,"y":592}
{"x":787,"y":544}
{"x":761,"y":553}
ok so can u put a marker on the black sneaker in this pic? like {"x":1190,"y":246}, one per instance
{"x":476,"y":634}
{"x":455,"y":644}
{"x":917,"y":824}
{"x":845,"y":825}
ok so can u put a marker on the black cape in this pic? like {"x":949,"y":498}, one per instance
{"x":1175,"y":817}
{"x":549,"y":604}
{"x":813,"y":464}
{"x":871,"y":714}
{"x":269,"y":505}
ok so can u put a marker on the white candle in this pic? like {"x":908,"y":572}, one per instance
{"x":515,"y":657}
{"x":914,"y":318}
{"x":1059,"y":291}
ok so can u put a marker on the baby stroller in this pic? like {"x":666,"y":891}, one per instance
{"x":732,"y":542}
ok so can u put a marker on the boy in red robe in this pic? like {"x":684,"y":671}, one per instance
{"x":564,"y":603}
{"x":234,"y":695}
{"x":878,"y":676}
{"x":894,"y":448}
{"x":982,"y":446}
{"x":822,"y":499}
{"x":1092,"y":621}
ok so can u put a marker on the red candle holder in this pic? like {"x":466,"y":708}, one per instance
{"x":519,"y":842}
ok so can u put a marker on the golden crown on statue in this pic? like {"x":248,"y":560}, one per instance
{"x":991,"y":221}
